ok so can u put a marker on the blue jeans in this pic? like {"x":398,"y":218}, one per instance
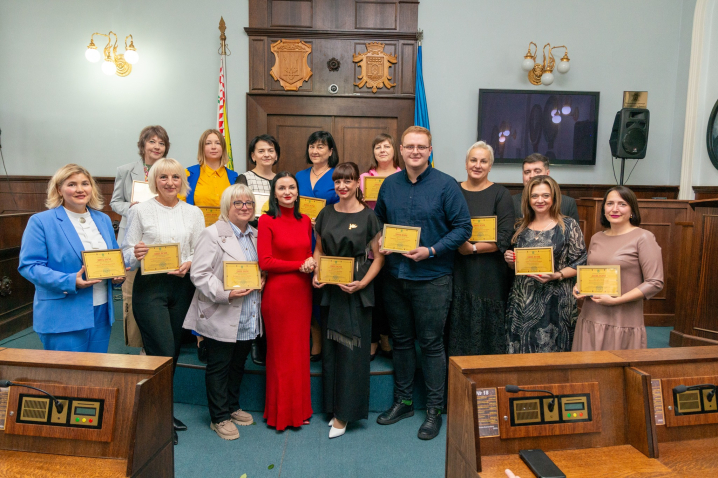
{"x":418,"y":309}
{"x":96,"y":339}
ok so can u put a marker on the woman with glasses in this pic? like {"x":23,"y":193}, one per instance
{"x":541,"y":313}
{"x":228,"y":320}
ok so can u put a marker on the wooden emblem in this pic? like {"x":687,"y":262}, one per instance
{"x":290,"y":66}
{"x":375,"y":65}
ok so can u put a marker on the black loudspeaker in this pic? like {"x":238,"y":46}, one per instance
{"x":629,"y":135}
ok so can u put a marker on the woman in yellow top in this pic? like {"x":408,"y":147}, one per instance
{"x":210,"y":177}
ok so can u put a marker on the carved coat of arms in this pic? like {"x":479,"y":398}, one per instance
{"x":374,"y":66}
{"x":291,"y":68}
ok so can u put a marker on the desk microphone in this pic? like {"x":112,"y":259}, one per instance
{"x":8,"y":383}
{"x":516,"y":389}
{"x":682,"y":389}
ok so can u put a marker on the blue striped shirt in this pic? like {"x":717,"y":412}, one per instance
{"x":249,"y":318}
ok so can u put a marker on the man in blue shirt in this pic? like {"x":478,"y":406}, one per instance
{"x":418,"y":287}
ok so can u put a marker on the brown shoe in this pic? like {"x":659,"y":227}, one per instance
{"x":225,"y":430}
{"x":242,"y":418}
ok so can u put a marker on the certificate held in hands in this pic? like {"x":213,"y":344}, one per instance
{"x":534,"y":260}
{"x":483,"y":229}
{"x":104,"y":264}
{"x":335,"y":270}
{"x":141,"y":191}
{"x":161,"y":258}
{"x":261,"y":204}
{"x":400,"y":238}
{"x":241,"y":275}
{"x":311,"y":206}
{"x":211,"y":215}
{"x":372,"y":185}
{"x":599,"y":280}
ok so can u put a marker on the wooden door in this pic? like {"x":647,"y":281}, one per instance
{"x":292,"y":132}
{"x":354,"y":136}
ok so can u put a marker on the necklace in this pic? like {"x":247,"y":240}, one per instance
{"x":536,"y":233}
{"x":319,"y":175}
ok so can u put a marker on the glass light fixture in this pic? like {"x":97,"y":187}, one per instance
{"x":92,"y":54}
{"x":564,"y":65}
{"x":527,"y":64}
{"x":108,"y":67}
{"x":132,"y":57}
{"x":542,"y":73}
{"x":547,"y":79}
{"x":115,"y":63}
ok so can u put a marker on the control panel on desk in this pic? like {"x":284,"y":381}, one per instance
{"x":76,"y":412}
{"x":572,"y":408}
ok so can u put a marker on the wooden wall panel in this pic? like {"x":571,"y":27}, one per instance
{"x":705,"y":192}
{"x":707,"y":297}
{"x":355,"y":135}
{"x":292,"y":132}
{"x":16,"y":296}
{"x":376,"y":16}
{"x":258,"y":64}
{"x":291,"y":13}
{"x":407,"y":58}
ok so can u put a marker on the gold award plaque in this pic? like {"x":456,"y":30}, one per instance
{"x":261,"y":204}
{"x":335,"y":270}
{"x":161,"y":258}
{"x":534,"y":260}
{"x":311,"y":206}
{"x":635,"y":99}
{"x":141,"y":191}
{"x":104,"y":264}
{"x":483,"y":229}
{"x":372,"y":184}
{"x":400,"y":238}
{"x":241,"y":275}
{"x":599,"y":280}
{"x":211,"y":215}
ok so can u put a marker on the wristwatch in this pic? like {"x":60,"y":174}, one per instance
{"x":431,"y":253}
{"x":473,"y":248}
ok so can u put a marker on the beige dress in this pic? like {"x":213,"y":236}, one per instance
{"x":618,"y":327}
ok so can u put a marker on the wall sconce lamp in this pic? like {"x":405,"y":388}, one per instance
{"x":117,"y":63}
{"x":541,"y":73}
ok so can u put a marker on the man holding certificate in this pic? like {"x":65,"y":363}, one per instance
{"x":418,"y":286}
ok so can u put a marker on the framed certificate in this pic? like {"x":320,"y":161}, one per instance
{"x":103,"y":264}
{"x":603,"y":280}
{"x":311,"y":206}
{"x":261,"y":204}
{"x":483,"y":229}
{"x":400,"y":238}
{"x":534,"y":260}
{"x":372,"y":184}
{"x":335,"y":270}
{"x":211,"y":215}
{"x":141,"y":191}
{"x":241,"y":275}
{"x":161,"y":258}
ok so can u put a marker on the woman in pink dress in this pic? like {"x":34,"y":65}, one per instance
{"x":616,"y":323}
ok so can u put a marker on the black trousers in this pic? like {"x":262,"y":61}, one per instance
{"x":225,"y":369}
{"x":379,"y":319}
{"x":160,"y":303}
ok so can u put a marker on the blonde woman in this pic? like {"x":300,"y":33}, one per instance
{"x":70,"y":313}
{"x":210,"y":176}
{"x":160,"y":301}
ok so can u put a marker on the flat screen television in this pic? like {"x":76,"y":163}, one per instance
{"x":561,"y":125}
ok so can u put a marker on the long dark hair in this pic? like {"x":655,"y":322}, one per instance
{"x":630,"y":198}
{"x":267,"y":138}
{"x":528,"y":211}
{"x":323,"y":137}
{"x":373,"y":164}
{"x":274,"y":210}
{"x":350,"y":171}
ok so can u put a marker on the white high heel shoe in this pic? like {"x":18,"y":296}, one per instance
{"x":331,"y":422}
{"x":336,"y":432}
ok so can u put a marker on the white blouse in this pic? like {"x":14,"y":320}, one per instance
{"x":91,"y":239}
{"x":152,"y":223}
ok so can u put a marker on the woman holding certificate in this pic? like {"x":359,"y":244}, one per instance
{"x":316,"y":182}
{"x":131,"y":187}
{"x":348,"y":229}
{"x":541,"y":313}
{"x":285,"y":253}
{"x":163,"y":290}
{"x":71,"y":312}
{"x":615,"y":321}
{"x":478,"y":307}
{"x":227,"y":314}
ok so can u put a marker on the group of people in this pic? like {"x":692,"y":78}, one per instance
{"x":452,"y":295}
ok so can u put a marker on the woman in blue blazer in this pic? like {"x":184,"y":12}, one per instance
{"x":69,"y":312}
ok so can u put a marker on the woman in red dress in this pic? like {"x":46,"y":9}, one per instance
{"x":284,"y":244}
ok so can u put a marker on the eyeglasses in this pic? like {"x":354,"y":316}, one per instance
{"x":412,"y":147}
{"x":240,"y":204}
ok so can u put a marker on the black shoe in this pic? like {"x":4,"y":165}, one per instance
{"x":202,"y":353}
{"x":315,"y":358}
{"x":179,"y":426}
{"x":431,"y":426}
{"x":175,"y":438}
{"x":398,"y":411}
{"x":258,"y":357}
{"x":386,"y":353}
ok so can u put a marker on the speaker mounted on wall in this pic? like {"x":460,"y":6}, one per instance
{"x":629,"y":135}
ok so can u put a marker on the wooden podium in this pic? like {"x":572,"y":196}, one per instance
{"x":116,"y":419}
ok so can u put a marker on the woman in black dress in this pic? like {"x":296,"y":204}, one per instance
{"x":482,"y":279}
{"x":347,"y":229}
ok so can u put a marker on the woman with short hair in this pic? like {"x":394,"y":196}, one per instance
{"x":616,"y":323}
{"x":70,"y":313}
{"x":229,"y":320}
{"x":541,"y":313}
{"x":263,"y":151}
{"x":160,"y":301}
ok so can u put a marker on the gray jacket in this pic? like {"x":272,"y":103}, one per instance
{"x":211,"y":314}
{"x":121,"y":195}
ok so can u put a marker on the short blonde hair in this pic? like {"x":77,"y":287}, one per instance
{"x":54,"y":197}
{"x":418,"y":130}
{"x":232,"y":194}
{"x":200,"y":149}
{"x":167,"y":166}
{"x":485,"y":147}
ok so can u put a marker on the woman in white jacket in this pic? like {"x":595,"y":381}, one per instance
{"x":228,"y":320}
